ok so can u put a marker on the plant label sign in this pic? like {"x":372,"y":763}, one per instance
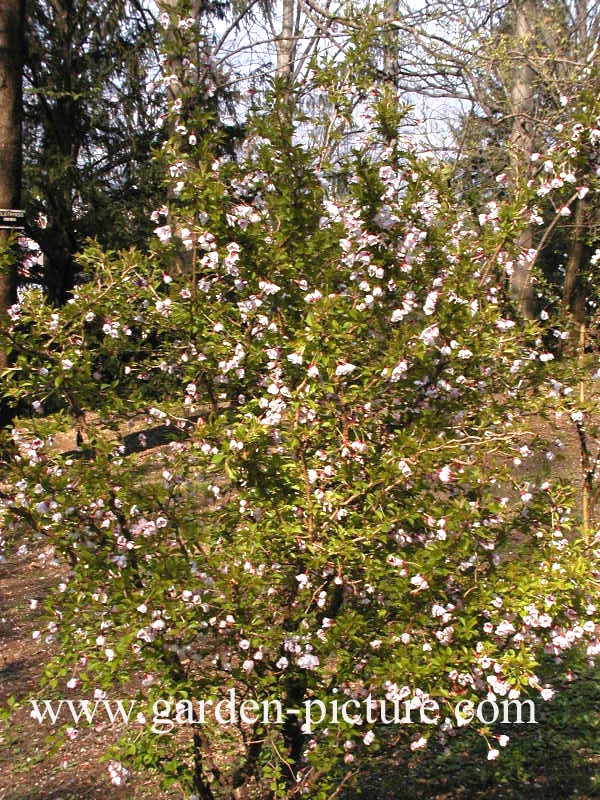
{"x":12,"y":218}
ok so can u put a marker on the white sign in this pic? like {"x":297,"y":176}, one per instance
{"x":11,"y":218}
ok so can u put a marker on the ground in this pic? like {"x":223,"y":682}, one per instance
{"x":32,"y":765}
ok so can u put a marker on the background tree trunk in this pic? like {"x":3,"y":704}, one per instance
{"x":391,"y":42}
{"x":521,"y":141}
{"x":12,"y":14}
{"x":573,"y":291}
{"x":286,"y":44}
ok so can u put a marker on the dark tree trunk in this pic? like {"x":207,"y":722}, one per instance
{"x":11,"y":70}
{"x":573,"y":291}
{"x":12,"y":14}
{"x":60,"y":268}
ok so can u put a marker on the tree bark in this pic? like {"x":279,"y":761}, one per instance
{"x":390,"y":44}
{"x":573,"y":292}
{"x":286,"y":44}
{"x":521,"y":142}
{"x":12,"y":13}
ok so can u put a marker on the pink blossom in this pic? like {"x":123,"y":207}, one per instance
{"x":430,"y":334}
{"x":445,"y":474}
{"x":344,"y":368}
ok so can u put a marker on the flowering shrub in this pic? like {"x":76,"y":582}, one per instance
{"x":341,"y":522}
{"x":559,"y":202}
